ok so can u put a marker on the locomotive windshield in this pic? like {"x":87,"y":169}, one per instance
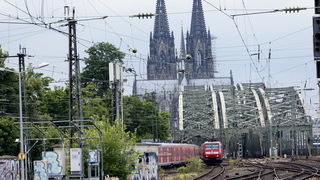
{"x":212,"y":146}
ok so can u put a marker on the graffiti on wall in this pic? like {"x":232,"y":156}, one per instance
{"x":147,"y":167}
{"x":54,"y":165}
{"x":9,"y":168}
{"x":40,"y":170}
{"x":93,"y":156}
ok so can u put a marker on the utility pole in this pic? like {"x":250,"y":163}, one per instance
{"x":22,"y":90}
{"x":22,"y":68}
{"x":75,"y":98}
{"x":115,"y":78}
{"x":75,"y":107}
{"x":22,"y":78}
{"x":316,"y":42}
{"x":21,"y":55}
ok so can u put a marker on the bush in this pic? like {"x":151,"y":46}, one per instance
{"x":232,"y":161}
{"x":194,"y":165}
{"x":182,"y":170}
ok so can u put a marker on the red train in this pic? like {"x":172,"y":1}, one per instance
{"x":170,"y":154}
{"x":212,"y":152}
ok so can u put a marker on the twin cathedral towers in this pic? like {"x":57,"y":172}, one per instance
{"x":171,"y":74}
{"x":196,"y":59}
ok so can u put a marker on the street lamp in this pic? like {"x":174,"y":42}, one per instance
{"x":21,"y":118}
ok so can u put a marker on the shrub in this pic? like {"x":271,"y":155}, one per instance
{"x":182,"y":170}
{"x":194,"y":165}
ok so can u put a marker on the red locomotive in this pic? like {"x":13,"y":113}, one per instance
{"x":212,"y":153}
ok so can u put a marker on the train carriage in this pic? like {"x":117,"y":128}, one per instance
{"x":174,"y":154}
{"x":170,"y":153}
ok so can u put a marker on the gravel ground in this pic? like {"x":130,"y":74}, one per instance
{"x":235,"y":168}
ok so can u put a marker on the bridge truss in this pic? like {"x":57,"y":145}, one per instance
{"x":262,"y":121}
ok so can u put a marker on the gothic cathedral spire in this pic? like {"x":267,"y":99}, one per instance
{"x":201,"y":64}
{"x":182,"y":46}
{"x":161,"y":25}
{"x":198,"y":25}
{"x":161,"y":61}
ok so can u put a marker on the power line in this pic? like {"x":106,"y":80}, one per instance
{"x":286,"y":10}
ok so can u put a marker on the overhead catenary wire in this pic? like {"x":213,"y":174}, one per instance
{"x":241,"y":36}
{"x":274,"y":11}
{"x":145,"y":60}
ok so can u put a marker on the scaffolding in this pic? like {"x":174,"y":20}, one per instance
{"x":47,"y":132}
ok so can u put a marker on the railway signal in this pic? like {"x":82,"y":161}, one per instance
{"x":317,"y":6}
{"x":316,"y":37}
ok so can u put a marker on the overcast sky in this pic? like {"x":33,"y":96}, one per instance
{"x":287,"y":36}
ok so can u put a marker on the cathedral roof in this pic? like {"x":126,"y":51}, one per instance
{"x":198,"y":25}
{"x":161,"y":25}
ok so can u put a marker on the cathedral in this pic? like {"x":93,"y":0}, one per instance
{"x":195,"y":60}
{"x":168,"y":71}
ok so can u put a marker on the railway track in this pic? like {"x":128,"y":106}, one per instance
{"x":264,"y":170}
{"x":300,"y":171}
{"x":278,"y":170}
{"x":216,"y":172}
{"x":260,"y":172}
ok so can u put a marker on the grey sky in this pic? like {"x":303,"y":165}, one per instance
{"x":288,"y":36}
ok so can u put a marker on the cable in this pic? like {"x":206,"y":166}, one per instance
{"x":218,"y":9}
{"x":242,"y":39}
{"x":31,"y":18}
{"x":123,"y":18}
{"x":290,"y":34}
{"x":23,"y":11}
{"x":279,"y":72}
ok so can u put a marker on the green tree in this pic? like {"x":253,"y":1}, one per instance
{"x":143,"y":117}
{"x":9,"y":92}
{"x":55,"y":103}
{"x":36,"y":87}
{"x":8,"y":135}
{"x":97,"y":65}
{"x":8,"y":89}
{"x":93,"y":104}
{"x":2,"y":57}
{"x":9,"y":97}
{"x":117,"y":145}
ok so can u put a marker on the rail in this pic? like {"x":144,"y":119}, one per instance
{"x":213,"y":173}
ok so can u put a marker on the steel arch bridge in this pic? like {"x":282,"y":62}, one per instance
{"x":262,"y":121}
